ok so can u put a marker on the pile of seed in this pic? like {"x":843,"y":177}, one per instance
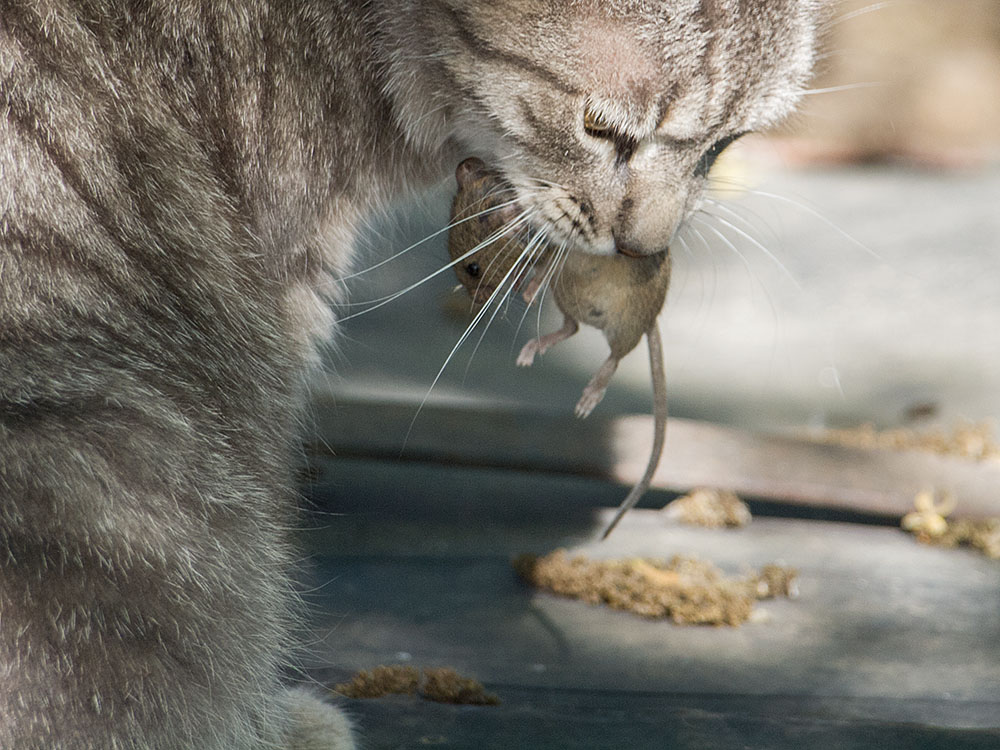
{"x":966,"y":440}
{"x":441,"y":684}
{"x":711,"y":508}
{"x":684,"y":590}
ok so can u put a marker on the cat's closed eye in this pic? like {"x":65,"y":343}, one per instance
{"x":594,"y":124}
{"x":709,"y":157}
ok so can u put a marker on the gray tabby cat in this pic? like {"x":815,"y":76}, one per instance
{"x":179,"y":181}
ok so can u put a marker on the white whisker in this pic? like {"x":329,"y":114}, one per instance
{"x":817,"y":214}
{"x":734,"y":248}
{"x":864,"y":11}
{"x":431,"y":236}
{"x":520,"y":265}
{"x":774,"y":258}
{"x":844,"y":87}
{"x":465,"y":335}
{"x":379,"y":302}
{"x":555,"y":261}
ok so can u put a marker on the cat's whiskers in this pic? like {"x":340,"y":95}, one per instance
{"x":683,"y":243}
{"x":732,"y":209}
{"x":519,"y":266}
{"x":520,"y":219}
{"x":729,"y":243}
{"x":684,"y":246}
{"x":421,"y":241}
{"x":480,"y":314}
{"x":552,"y":277}
{"x":543,"y":286}
{"x":819,"y":215}
{"x":749,"y":237}
{"x":775,"y":318}
{"x":861,"y":12}
{"x":844,"y":87}
{"x":499,"y":257}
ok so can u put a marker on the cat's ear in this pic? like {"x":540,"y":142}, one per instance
{"x":468,"y":170}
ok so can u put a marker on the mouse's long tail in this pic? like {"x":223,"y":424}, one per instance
{"x":659,"y":425}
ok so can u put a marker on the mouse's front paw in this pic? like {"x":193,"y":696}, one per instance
{"x":531,"y":290}
{"x":527,"y":356}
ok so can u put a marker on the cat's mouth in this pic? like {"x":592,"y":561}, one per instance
{"x":628,"y":253}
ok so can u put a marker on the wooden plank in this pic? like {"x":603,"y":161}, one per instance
{"x":885,"y":631}
{"x":780,"y":468}
{"x":564,"y":719}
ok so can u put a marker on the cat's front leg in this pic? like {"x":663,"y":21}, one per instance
{"x":314,"y":724}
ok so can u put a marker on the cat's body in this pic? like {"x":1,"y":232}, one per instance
{"x":178,"y":183}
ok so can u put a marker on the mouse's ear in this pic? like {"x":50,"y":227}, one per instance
{"x":468,"y":169}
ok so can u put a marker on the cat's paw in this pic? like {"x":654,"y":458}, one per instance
{"x":314,"y":724}
{"x":528,"y":352}
{"x":591,"y":397}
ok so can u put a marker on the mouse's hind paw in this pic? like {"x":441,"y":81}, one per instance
{"x":590,"y":399}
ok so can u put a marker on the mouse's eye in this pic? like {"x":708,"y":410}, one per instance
{"x":595,"y":124}
{"x":472,"y":269}
{"x":709,"y":157}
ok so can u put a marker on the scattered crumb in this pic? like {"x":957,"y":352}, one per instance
{"x":684,"y":590}
{"x":441,"y":684}
{"x":966,"y":440}
{"x":983,"y":535}
{"x":928,"y":523}
{"x":776,"y":580}
{"x":928,"y":520}
{"x":710,"y":508}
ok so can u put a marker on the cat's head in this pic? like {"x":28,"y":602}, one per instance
{"x":607,"y":114}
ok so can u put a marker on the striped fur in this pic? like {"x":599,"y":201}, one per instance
{"x":179,"y":182}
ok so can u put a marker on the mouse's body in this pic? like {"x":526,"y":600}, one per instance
{"x":617,"y":294}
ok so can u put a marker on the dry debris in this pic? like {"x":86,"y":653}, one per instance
{"x":684,"y":590}
{"x":445,"y":685}
{"x":441,"y":684}
{"x":929,"y":524}
{"x":710,"y":508}
{"x":970,"y":440}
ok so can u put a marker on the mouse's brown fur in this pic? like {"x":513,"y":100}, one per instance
{"x":481,"y":208}
{"x":619,"y":295}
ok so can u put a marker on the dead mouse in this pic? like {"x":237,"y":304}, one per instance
{"x":482,"y":208}
{"x":622,"y":296}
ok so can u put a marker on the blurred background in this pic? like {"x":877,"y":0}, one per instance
{"x":846,"y":268}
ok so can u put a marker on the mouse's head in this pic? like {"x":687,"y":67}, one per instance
{"x":485,"y":241}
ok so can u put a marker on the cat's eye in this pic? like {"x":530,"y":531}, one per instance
{"x":473,"y":269}
{"x":595,"y":125}
{"x":709,"y":157}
